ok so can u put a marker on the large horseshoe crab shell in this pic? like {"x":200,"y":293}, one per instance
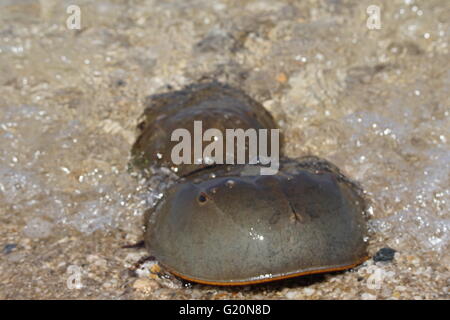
{"x":217,"y":105}
{"x":231,"y":226}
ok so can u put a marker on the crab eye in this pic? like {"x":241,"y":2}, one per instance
{"x":202,"y":198}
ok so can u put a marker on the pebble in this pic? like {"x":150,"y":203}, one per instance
{"x":368,"y":296}
{"x":291,"y":294}
{"x":146,"y":285}
{"x":16,"y":256}
{"x":384,"y":254}
{"x":445,"y":260}
{"x":309,"y":291}
{"x":97,"y":261}
{"x":282,"y":78}
{"x":8,"y":248}
{"x":400,"y":288}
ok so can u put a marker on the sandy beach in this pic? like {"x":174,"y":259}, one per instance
{"x":372,"y":99}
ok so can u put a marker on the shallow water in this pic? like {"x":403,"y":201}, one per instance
{"x":374,"y":102}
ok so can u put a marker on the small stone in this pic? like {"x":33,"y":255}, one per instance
{"x":445,"y":260}
{"x":97,"y":261}
{"x":120,"y":83}
{"x":196,"y":294}
{"x":8,"y":248}
{"x":38,"y":228}
{"x":146,"y":285}
{"x":282,"y":78}
{"x":309,"y":291}
{"x":16,"y":256}
{"x":384,"y":254}
{"x":368,"y":296}
{"x":291,"y":294}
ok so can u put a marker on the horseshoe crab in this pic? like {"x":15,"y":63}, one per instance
{"x":229,"y":226}
{"x":217,"y":105}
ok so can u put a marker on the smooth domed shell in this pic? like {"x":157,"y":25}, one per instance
{"x":217,"y":105}
{"x":240,"y":228}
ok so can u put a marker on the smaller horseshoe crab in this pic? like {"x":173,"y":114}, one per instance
{"x":217,"y":105}
{"x":230,"y":226}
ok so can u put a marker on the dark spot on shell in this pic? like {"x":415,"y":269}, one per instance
{"x":202,"y":198}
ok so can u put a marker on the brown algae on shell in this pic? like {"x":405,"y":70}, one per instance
{"x":217,"y":105}
{"x":306,"y":219}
